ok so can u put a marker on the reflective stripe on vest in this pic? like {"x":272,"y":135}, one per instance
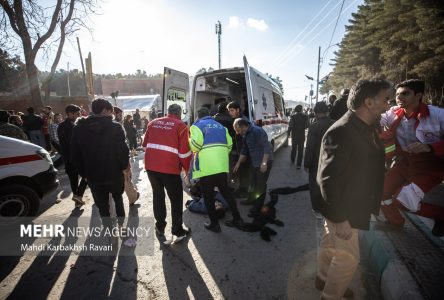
{"x":168,"y":149}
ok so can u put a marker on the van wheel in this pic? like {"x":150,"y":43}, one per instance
{"x":18,"y":200}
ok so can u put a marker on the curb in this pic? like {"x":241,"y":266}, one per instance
{"x":393,"y":277}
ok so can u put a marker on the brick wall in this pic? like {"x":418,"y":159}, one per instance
{"x":58,"y":104}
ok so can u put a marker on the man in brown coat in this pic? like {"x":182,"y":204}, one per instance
{"x":351,"y":177}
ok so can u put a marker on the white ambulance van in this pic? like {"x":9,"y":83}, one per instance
{"x":26,"y":175}
{"x":260,"y":98}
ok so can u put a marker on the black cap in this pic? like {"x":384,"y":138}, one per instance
{"x":320,"y":107}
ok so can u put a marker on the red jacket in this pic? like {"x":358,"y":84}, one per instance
{"x":167,"y":148}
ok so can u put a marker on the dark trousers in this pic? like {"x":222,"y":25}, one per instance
{"x":243,"y":174}
{"x":173,"y":186}
{"x":77,"y":188}
{"x":259,"y":184}
{"x":47,"y":142}
{"x":132,"y":141}
{"x":207,"y":184}
{"x":315,"y":190}
{"x":297,"y":145}
{"x":100,"y":193}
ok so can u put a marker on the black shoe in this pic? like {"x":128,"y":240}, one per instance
{"x":438,"y":228}
{"x":298,"y":167}
{"x":183,"y":233}
{"x":214,"y":227}
{"x":236,"y":222}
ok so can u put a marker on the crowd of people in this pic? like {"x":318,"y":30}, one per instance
{"x":366,"y":153}
{"x":362,"y":155}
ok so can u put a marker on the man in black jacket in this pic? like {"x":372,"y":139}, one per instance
{"x":351,"y":178}
{"x":64,"y":132}
{"x":234,"y":110}
{"x":315,"y":133}
{"x":101,"y":156}
{"x":339,"y":107}
{"x":32,"y":124}
{"x":297,"y":126}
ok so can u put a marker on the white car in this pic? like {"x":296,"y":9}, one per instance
{"x":26,"y":175}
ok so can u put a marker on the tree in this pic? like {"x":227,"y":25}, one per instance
{"x":12,"y":72}
{"x":37,"y":28}
{"x":395,"y":40}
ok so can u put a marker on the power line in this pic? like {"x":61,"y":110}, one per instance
{"x":312,"y":39}
{"x":283,"y":59}
{"x":337,"y":20}
{"x":290,"y":45}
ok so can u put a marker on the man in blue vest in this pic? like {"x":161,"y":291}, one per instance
{"x":211,"y":144}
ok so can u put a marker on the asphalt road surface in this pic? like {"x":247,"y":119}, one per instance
{"x":229,"y":265}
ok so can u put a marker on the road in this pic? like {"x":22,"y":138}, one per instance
{"x":230,"y":265}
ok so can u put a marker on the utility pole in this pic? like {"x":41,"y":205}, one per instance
{"x":311,"y":95}
{"x":83,"y":67}
{"x":317,"y":77}
{"x":69,"y":88}
{"x":219,"y":33}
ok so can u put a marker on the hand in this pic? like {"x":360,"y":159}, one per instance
{"x":236,"y":167}
{"x":343,"y":230}
{"x":263,"y":168}
{"x":127,"y":170}
{"x":418,"y":147}
{"x":187,"y":182}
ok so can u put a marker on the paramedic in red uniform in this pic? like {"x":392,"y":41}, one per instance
{"x":419,"y":165}
{"x":167,"y":153}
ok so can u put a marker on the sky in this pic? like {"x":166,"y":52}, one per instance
{"x":278,"y":37}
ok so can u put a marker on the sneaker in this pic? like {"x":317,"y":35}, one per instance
{"x":214,"y":227}
{"x":438,"y":228}
{"x":236,"y":222}
{"x":78,"y":200}
{"x":298,"y":167}
{"x":183,"y":233}
{"x":319,"y":284}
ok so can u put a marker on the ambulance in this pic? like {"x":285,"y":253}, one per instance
{"x":26,"y":175}
{"x":260,"y":98}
